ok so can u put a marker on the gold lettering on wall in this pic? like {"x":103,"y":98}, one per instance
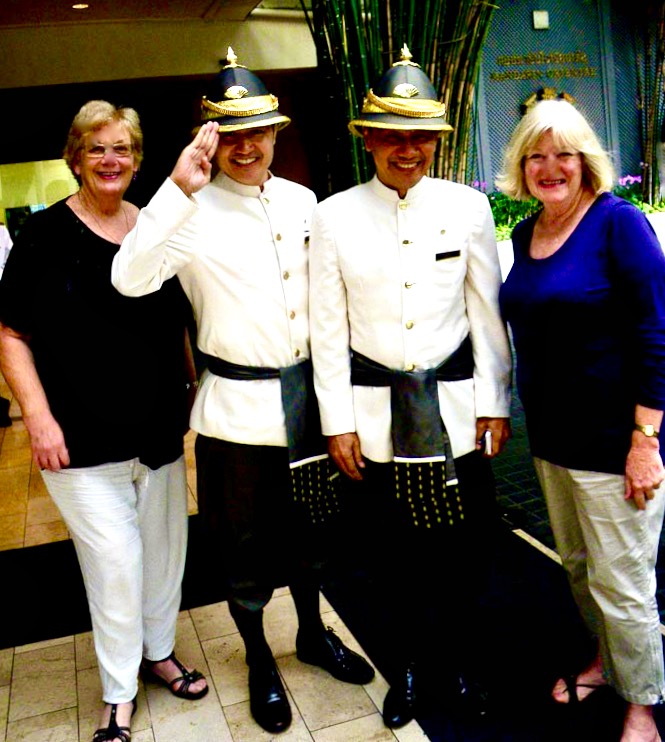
{"x":543,"y":60}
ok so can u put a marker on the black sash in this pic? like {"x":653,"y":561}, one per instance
{"x":425,"y":477}
{"x":418,"y":431}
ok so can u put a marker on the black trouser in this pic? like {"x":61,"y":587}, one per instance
{"x":253,"y":527}
{"x":426,"y":582}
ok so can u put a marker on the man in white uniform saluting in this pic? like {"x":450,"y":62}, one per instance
{"x":238,"y":244}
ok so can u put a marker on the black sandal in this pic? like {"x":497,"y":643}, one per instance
{"x":113,"y":731}
{"x":178,"y":686}
{"x":571,"y":688}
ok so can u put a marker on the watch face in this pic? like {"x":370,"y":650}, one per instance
{"x":648,"y":430}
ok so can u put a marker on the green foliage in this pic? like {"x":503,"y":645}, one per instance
{"x":508,"y":212}
{"x":631,"y":188}
{"x":357,"y":40}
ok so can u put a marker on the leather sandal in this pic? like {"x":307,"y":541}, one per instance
{"x":178,"y":686}
{"x":571,"y":689}
{"x":113,"y":731}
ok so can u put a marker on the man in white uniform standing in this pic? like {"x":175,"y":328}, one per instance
{"x":238,"y":243}
{"x":411,"y":362}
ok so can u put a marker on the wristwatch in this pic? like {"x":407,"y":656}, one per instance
{"x":648,"y":430}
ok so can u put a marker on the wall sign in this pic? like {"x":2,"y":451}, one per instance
{"x":545,"y":66}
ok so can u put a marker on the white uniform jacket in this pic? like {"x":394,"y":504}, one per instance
{"x":240,"y":253}
{"x":403,"y":282}
{"x":5,"y":246}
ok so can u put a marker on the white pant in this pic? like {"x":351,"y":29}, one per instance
{"x":609,"y":550}
{"x":129,"y":527}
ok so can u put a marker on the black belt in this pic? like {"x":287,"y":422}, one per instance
{"x":417,"y":428}
{"x":303,"y":426}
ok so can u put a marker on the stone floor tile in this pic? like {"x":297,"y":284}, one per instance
{"x":4,"y":711}
{"x":43,"y":680}
{"x":42,"y":510}
{"x":377,"y":690}
{"x":57,"y":726}
{"x":366,"y":729}
{"x":226,"y":661}
{"x":245,"y":729}
{"x":37,"y":488}
{"x":6,"y":663}
{"x":45,"y":533}
{"x":412,"y":732}
{"x":45,"y":644}
{"x":14,"y":457}
{"x":310,"y":685}
{"x":324,"y":605}
{"x":12,"y":531}
{"x":280,"y":624}
{"x":14,"y":490}
{"x":85,"y":651}
{"x":143,"y":736}
{"x":213,"y":621}
{"x":175,"y":718}
{"x":16,"y":449}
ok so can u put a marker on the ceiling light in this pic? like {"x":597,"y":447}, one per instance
{"x":80,"y":6}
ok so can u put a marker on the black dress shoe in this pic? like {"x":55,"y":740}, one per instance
{"x":328,"y":651}
{"x":399,"y":705}
{"x":267,"y":698}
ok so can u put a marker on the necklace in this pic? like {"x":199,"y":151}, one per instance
{"x":116,"y":237}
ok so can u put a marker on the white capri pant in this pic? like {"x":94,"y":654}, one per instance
{"x":129,"y":526}
{"x":609,"y":550}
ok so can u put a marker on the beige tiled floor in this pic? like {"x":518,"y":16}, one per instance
{"x":50,"y":691}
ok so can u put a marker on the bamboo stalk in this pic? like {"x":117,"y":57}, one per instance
{"x":356,"y":41}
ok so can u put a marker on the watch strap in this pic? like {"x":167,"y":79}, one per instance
{"x":648,"y":430}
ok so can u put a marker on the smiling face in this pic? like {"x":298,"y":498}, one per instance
{"x":401,"y":158}
{"x":105,"y":163}
{"x":553,"y":174}
{"x":246,"y":155}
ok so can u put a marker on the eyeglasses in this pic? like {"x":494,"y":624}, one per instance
{"x":97,"y":151}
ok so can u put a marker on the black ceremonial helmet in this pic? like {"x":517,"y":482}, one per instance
{"x":237,"y":99}
{"x":403,"y":99}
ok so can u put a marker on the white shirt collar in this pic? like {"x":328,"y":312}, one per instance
{"x":390,"y":194}
{"x":240,"y":189}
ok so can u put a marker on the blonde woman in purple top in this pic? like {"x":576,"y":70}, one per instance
{"x":585,"y":300}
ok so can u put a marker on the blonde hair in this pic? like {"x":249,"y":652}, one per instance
{"x":95,"y":115}
{"x":570,"y":130}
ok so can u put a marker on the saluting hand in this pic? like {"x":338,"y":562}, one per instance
{"x":193,"y":169}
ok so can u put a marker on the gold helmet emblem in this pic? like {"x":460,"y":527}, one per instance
{"x":235,"y":92}
{"x":405,"y":90}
